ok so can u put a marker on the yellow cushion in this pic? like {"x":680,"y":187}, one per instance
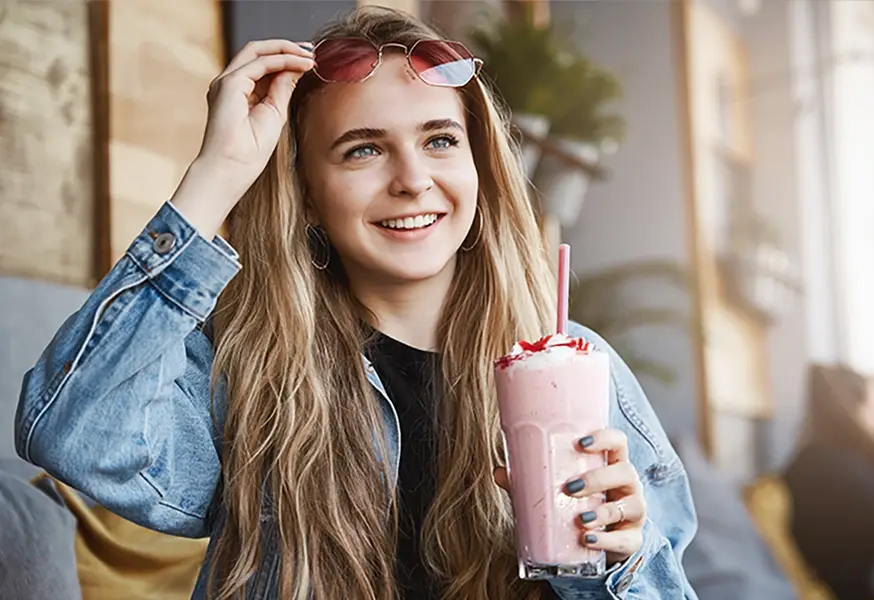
{"x":770,"y":505}
{"x":120,"y":560}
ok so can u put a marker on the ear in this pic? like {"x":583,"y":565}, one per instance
{"x":311,"y":215}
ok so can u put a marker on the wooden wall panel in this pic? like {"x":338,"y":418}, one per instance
{"x":46,"y":146}
{"x":734,"y":354}
{"x":162,"y":56}
{"x":539,"y":10}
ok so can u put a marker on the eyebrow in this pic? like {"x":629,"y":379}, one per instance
{"x":370,"y":133}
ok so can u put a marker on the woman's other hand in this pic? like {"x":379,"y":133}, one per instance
{"x":616,"y":526}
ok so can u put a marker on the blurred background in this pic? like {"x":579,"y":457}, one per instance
{"x":709,"y":161}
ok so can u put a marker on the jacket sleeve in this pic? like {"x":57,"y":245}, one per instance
{"x":118,"y":404}
{"x":655,"y":572}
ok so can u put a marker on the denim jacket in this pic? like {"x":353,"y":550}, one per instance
{"x":118,"y":406}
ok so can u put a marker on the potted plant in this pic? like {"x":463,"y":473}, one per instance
{"x":581,"y":128}
{"x":521,"y":59}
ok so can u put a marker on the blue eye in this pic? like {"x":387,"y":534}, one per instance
{"x":361,"y":152}
{"x":443,"y":142}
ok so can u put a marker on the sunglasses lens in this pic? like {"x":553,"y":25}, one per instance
{"x":345,"y":60}
{"x":443,"y":63}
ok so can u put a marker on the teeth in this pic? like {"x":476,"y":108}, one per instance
{"x":416,"y":222}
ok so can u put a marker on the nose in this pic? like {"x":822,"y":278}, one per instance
{"x":411,"y":177}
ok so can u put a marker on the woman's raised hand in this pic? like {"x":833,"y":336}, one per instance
{"x":248,"y":106}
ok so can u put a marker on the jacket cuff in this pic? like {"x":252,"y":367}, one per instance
{"x":184,"y":266}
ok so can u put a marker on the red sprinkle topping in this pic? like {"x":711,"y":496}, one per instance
{"x":529,"y":348}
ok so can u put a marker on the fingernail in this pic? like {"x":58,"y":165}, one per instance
{"x":574,"y":486}
{"x":587,"y":441}
{"x":306,"y":46}
{"x":589,"y":516}
{"x":591,"y":539}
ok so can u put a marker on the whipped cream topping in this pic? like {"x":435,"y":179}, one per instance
{"x":549,"y":344}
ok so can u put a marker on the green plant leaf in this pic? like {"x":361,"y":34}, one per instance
{"x":580,"y":110}
{"x":630,"y":318}
{"x":660,"y":371}
{"x":537,"y":70}
{"x":520,"y":58}
{"x":607,"y":281}
{"x":643,"y":366}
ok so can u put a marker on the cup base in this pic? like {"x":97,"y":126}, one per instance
{"x":532,"y":571}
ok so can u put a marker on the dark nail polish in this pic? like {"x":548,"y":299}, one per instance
{"x":586,"y":441}
{"x":574,"y":486}
{"x":588,"y":517}
{"x":591,"y":539}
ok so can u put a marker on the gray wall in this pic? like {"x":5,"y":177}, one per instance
{"x":774,"y":114}
{"x":297,"y":20}
{"x":32,"y":312}
{"x":640,"y":213}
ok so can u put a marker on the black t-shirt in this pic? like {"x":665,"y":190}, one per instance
{"x":408,"y":375}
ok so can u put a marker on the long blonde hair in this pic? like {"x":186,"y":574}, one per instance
{"x":301,"y":416}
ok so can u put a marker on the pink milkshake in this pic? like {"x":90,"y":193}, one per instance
{"x":550,"y":394}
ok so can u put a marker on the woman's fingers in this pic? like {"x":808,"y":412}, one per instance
{"x":620,"y":542}
{"x":612,"y":441}
{"x":620,"y":476}
{"x":247,"y":76}
{"x":254,"y":49}
{"x":630,"y":509}
{"x":279,"y":93}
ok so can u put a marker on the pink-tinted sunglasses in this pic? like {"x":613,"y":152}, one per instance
{"x":436,"y":62}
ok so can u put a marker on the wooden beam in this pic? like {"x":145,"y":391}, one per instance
{"x":46,"y":202}
{"x":98,"y":24}
{"x":162,"y":55}
{"x":680,"y":21}
{"x":409,"y":6}
{"x":517,"y":9}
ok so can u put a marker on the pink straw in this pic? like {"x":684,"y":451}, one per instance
{"x":564,"y":263}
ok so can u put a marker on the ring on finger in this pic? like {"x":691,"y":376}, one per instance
{"x":620,"y":506}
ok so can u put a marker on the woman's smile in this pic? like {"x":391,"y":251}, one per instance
{"x":410,"y":227}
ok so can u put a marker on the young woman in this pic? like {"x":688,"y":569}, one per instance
{"x":326,"y":413}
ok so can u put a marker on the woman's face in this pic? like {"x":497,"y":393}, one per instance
{"x":390,"y":174}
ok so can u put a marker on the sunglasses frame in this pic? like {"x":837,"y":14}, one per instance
{"x":408,"y":52}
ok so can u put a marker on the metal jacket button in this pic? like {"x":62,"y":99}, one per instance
{"x":624,"y":584}
{"x":164,"y":243}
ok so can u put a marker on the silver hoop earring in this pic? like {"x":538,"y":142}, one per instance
{"x":319,"y":245}
{"x":479,"y":233}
